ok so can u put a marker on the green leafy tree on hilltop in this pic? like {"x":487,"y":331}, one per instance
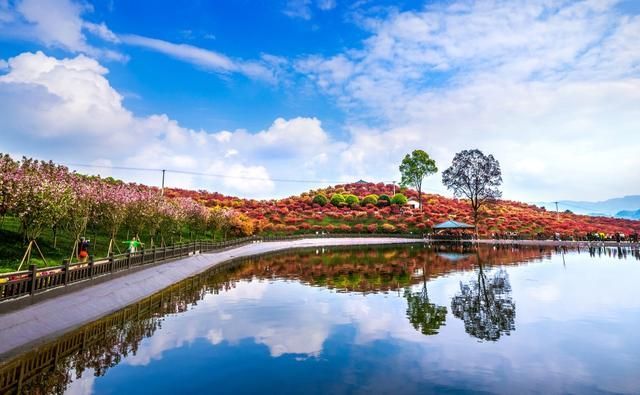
{"x":414,"y":168}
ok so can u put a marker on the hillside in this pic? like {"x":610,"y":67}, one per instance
{"x":299,"y":214}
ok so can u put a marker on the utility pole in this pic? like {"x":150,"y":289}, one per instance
{"x":162,"y":189}
{"x":557,"y":212}
{"x":394,"y":187}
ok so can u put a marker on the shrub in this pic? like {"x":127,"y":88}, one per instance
{"x":372,"y":228}
{"x":337,"y":200}
{"x":399,"y":199}
{"x":369,"y":199}
{"x":388,"y":228}
{"x":344,"y":228}
{"x":384,"y":200}
{"x":320,"y":199}
{"x":351,"y":200}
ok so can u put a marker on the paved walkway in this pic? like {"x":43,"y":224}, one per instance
{"x":45,"y":320}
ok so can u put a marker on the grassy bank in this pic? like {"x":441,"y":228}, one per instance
{"x":12,"y":245}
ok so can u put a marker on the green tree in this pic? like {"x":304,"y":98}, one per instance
{"x":399,"y":199}
{"x":337,"y":200}
{"x":475,"y":176}
{"x":414,"y":168}
{"x":370,"y":199}
{"x":351,"y":200}
{"x":384,"y":200}
{"x":320,"y":199}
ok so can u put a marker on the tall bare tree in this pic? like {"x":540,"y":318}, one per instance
{"x":475,"y":176}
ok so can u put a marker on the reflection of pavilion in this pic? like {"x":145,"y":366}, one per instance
{"x":453,"y":256}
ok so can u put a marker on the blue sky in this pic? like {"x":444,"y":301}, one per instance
{"x":326,"y":90}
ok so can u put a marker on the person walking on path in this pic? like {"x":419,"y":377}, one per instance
{"x":83,"y":249}
{"x":133,"y":244}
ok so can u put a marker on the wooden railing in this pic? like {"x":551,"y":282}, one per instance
{"x":36,"y":280}
{"x":44,"y":369}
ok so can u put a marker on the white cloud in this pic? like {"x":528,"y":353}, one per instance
{"x":326,"y":5}
{"x":101,"y":30}
{"x":298,"y":9}
{"x":556,"y":85}
{"x":66,"y":108}
{"x":248,"y":178}
{"x":231,"y":153}
{"x":303,"y":8}
{"x":83,"y":385}
{"x":57,"y":23}
{"x":5,"y":12}
{"x":553,"y":91}
{"x":207,"y":59}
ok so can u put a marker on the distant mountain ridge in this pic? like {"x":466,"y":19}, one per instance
{"x":622,"y":207}
{"x":628,"y":214}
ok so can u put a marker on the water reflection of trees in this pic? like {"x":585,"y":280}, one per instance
{"x":370,"y":269}
{"x":426,"y":317}
{"x":485,"y":305}
{"x":613,"y":252}
{"x":103,"y":344}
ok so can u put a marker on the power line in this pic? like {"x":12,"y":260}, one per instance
{"x":195,"y":173}
{"x":225,"y":176}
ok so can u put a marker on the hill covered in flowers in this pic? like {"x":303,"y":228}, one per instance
{"x":374,"y":212}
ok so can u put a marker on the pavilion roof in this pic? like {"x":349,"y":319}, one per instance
{"x":453,"y":225}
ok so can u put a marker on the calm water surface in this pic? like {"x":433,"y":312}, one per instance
{"x":412,"y":319}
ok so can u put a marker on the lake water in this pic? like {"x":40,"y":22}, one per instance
{"x":397,"y":319}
